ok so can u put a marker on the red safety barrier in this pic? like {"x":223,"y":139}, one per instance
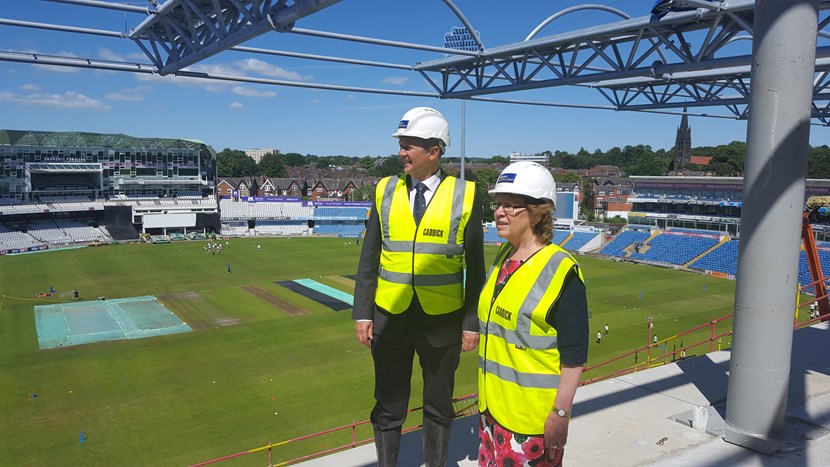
{"x":467,"y":405}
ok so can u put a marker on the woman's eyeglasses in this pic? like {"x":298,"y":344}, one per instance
{"x":508,"y":208}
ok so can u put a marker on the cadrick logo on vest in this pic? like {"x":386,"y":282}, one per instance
{"x":433,"y":233}
{"x":506,"y":314}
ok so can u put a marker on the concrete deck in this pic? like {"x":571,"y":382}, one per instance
{"x":644,"y":418}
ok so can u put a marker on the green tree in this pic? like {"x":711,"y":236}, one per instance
{"x":818,"y":165}
{"x":569,"y":161}
{"x":616,"y":220}
{"x":485,"y":178}
{"x":728,"y":159}
{"x":588,"y":198}
{"x":366,"y":163}
{"x":499,"y":160}
{"x":568,"y":177}
{"x":641,"y":160}
{"x":234,"y":163}
{"x":363,"y":193}
{"x":271,"y":166}
{"x":292,"y":159}
{"x":391,"y":165}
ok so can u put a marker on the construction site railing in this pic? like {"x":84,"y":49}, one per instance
{"x":714,"y":342}
{"x":468,"y":405}
{"x":464,"y":406}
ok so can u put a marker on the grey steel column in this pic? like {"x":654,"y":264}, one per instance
{"x":784,"y":48}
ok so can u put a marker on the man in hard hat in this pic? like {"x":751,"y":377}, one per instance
{"x":411,"y":294}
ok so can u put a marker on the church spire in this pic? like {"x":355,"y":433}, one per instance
{"x":683,"y":144}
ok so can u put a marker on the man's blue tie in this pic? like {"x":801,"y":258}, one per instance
{"x":420,"y":202}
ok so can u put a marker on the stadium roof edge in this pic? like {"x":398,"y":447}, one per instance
{"x":86,"y":139}
{"x":697,"y":179}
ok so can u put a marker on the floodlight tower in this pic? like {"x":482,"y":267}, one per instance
{"x":462,"y":39}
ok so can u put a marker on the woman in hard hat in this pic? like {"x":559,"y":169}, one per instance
{"x":534,"y":327}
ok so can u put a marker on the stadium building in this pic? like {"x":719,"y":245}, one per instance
{"x":259,"y":153}
{"x":68,"y":187}
{"x":538,"y":158}
{"x":711,"y":203}
{"x":260,"y":206}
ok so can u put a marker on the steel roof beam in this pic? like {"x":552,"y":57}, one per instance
{"x":624,"y":61}
{"x":581,"y":48}
{"x":184,"y":32}
{"x":108,"y":5}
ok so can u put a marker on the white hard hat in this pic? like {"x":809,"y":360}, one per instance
{"x":424,"y":122}
{"x":528,"y":179}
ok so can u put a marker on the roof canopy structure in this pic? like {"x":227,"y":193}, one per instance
{"x":85,"y":139}
{"x":688,"y":59}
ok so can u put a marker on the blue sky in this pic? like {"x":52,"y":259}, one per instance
{"x":321,"y":122}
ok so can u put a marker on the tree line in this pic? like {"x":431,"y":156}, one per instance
{"x":236,"y":164}
{"x":727,"y":161}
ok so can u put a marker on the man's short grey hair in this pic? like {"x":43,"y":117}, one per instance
{"x":436,"y":142}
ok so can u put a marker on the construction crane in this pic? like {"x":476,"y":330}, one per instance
{"x":811,"y":212}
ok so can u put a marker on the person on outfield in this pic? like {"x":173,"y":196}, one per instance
{"x":533,"y":313}
{"x":410,"y":294}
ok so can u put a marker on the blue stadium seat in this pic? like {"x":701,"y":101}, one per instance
{"x":616,"y":247}
{"x":579,"y":240}
{"x":675,"y":248}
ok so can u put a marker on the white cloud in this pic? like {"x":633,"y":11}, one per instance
{"x":30,"y":87}
{"x":216,"y":87}
{"x":67,"y":100}
{"x":132,"y":57}
{"x":258,"y":66}
{"x":190,"y":81}
{"x":119,"y":96}
{"x":244,"y":68}
{"x":395,"y":80}
{"x":236,"y":105}
{"x":351,"y":97}
{"x":315,"y":101}
{"x":214,"y":69}
{"x":109,"y":55}
{"x":129,"y":94}
{"x":184,"y":81}
{"x":249,"y":92}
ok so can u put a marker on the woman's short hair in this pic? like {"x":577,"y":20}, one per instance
{"x":544,"y":209}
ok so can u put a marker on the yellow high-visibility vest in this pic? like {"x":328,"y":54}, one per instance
{"x":427,"y":259}
{"x":518,"y":372}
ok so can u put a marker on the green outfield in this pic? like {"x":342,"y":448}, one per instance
{"x":263,"y":364}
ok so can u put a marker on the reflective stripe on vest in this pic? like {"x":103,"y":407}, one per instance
{"x":525,"y":380}
{"x":426,"y":259}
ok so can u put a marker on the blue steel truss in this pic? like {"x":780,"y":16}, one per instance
{"x":698,"y":58}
